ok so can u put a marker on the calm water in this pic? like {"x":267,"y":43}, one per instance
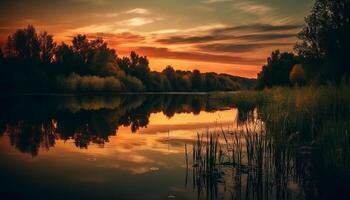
{"x":121,"y":147}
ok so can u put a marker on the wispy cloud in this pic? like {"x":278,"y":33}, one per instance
{"x":166,"y":31}
{"x":138,"y":11}
{"x":118,"y":38}
{"x":256,"y":32}
{"x":94,"y":2}
{"x":137,"y":21}
{"x":215,"y":1}
{"x":259,"y":28}
{"x":265,"y":37}
{"x":196,"y":56}
{"x":239,"y":47}
{"x":141,"y":11}
{"x":252,"y":7}
{"x":211,"y":38}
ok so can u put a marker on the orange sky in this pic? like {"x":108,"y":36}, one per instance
{"x":224,"y":36}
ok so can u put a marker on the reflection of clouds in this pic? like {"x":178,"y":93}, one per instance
{"x":139,"y":170}
{"x":153,"y":129}
{"x":149,"y":147}
{"x":160,"y":145}
{"x":177,"y":142}
{"x":135,"y":158}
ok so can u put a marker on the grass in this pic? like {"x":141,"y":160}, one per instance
{"x":299,"y":134}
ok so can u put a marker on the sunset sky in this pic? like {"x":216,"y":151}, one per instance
{"x":224,"y":36}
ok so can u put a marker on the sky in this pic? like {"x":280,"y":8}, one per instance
{"x":224,"y":36}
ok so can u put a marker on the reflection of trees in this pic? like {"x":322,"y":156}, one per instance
{"x":29,"y":137}
{"x":36,"y":122}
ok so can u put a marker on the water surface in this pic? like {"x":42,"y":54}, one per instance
{"x":125,"y":147}
{"x":130,"y":147}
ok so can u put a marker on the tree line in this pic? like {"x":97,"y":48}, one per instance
{"x":321,"y":54}
{"x":34,"y":62}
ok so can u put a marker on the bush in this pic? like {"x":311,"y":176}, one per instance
{"x":77,"y":83}
{"x":132,"y":84}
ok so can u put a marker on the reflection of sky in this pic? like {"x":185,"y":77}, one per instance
{"x":151,"y":161}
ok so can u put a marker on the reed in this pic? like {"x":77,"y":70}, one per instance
{"x":299,"y":135}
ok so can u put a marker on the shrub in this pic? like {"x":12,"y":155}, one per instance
{"x":77,"y":83}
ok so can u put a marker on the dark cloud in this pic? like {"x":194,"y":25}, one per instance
{"x":238,"y":47}
{"x":258,"y":28}
{"x":211,"y":38}
{"x":192,"y":39}
{"x":267,"y":36}
{"x":196,"y":56}
{"x":256,"y":32}
{"x":118,"y":37}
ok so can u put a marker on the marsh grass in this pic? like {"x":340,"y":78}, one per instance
{"x":300,"y":136}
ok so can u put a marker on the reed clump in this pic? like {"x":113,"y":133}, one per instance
{"x":298,"y":135}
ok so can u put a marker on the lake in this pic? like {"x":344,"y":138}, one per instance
{"x":138,"y":146}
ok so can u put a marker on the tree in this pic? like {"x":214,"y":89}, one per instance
{"x":24,"y":44}
{"x":9,"y":48}
{"x":277,"y":69}
{"x":103,"y":61}
{"x":47,"y":47}
{"x":297,"y":75}
{"x":170,"y":73}
{"x":197,"y":82}
{"x":211,"y":82}
{"x":1,"y":55}
{"x":80,"y":47}
{"x":124,"y":64}
{"x":33,"y":62}
{"x":64,"y":58}
{"x":139,"y":66}
{"x":324,"y":42}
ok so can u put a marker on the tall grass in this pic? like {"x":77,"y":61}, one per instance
{"x":300,"y":135}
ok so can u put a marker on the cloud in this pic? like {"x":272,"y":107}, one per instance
{"x":118,"y":38}
{"x":218,"y":37}
{"x":196,"y":56}
{"x":252,"y":7}
{"x":137,"y":21}
{"x":215,"y":1}
{"x":190,"y":39}
{"x":267,"y":36}
{"x":140,"y":11}
{"x":254,"y":32}
{"x":93,"y":28}
{"x":166,"y":31}
{"x":258,"y":27}
{"x":239,"y":47}
{"x":95,"y":2}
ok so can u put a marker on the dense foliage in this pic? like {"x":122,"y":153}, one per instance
{"x":33,"y":62}
{"x":323,"y":49}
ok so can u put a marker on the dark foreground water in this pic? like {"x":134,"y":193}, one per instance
{"x":131,"y":147}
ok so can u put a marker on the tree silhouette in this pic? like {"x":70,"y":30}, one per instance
{"x":277,"y":69}
{"x":35,"y":63}
{"x":324,"y":41}
{"x":47,"y":47}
